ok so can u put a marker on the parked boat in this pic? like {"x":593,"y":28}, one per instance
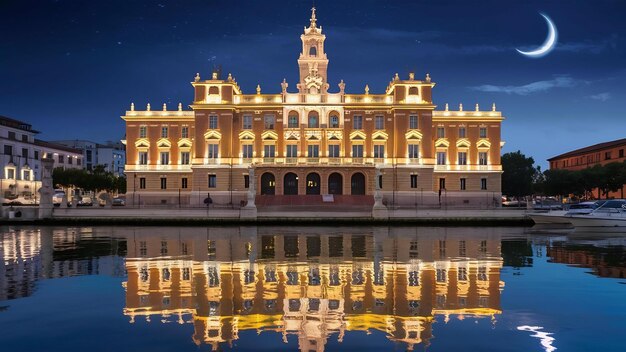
{"x":611,"y":214}
{"x":562,"y":216}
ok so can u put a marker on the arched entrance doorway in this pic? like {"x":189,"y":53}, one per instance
{"x":357,"y":184}
{"x":268,"y":184}
{"x":290,"y":185}
{"x":335,"y":183}
{"x":313,"y":183}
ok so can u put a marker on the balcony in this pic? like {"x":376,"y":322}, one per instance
{"x":291,"y":160}
{"x":334,"y":161}
{"x":269,"y":160}
{"x":312,"y":161}
{"x":357,"y":161}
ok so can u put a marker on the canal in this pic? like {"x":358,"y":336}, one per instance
{"x":311,"y":289}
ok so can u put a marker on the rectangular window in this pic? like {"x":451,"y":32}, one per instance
{"x":163,"y":183}
{"x":292,"y":150}
{"x":482,"y":158}
{"x":414,"y":151}
{"x":314,"y":151}
{"x":462,"y":158}
{"x":212,"y":181}
{"x":357,"y":122}
{"x":607,"y":155}
{"x":183,"y":183}
{"x":442,"y":183}
{"x":463,"y":184}
{"x":213,"y":151}
{"x":357,"y":150}
{"x":8,"y":150}
{"x":36,"y":155}
{"x":292,"y":121}
{"x":11,"y":174}
{"x":61,"y":159}
{"x":462,"y":132}
{"x":247,"y":122}
{"x":89,"y":156}
{"x":163,"y":132}
{"x":12,"y":135}
{"x":143,"y":158}
{"x":413,"y":181}
{"x":333,"y":150}
{"x":184,"y":132}
{"x":483,"y":183}
{"x":69,"y":159}
{"x":441,"y":158}
{"x":24,"y":138}
{"x":165,"y":158}
{"x":143,"y":132}
{"x":379,"y":151}
{"x":621,"y":153}
{"x":380,"y":122}
{"x":184,"y":158}
{"x":269,"y":122}
{"x":142,"y":183}
{"x":269,"y":151}
{"x":441,"y":132}
{"x":413,"y":122}
{"x":25,"y":153}
{"x":246,"y":181}
{"x":212,"y":122}
{"x":246,"y":151}
{"x":482,"y":132}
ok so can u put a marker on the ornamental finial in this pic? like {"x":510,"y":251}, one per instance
{"x":197,"y":78}
{"x":313,"y":19}
{"x":367,"y":89}
{"x":493,"y":107}
{"x":446,"y":106}
{"x":258,"y":89}
{"x":164,"y":107}
{"x":427,"y":77}
{"x":148,"y":107}
{"x":411,"y":76}
{"x":396,"y":77}
{"x":477,"y":108}
{"x":132,"y":106}
{"x":461,"y":107}
{"x":180,"y":107}
{"x":230,"y":77}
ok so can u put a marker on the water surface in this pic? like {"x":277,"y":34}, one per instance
{"x":310,"y":289}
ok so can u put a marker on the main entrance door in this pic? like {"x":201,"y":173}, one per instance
{"x":313,"y":183}
{"x":335,"y":183}
{"x":290,"y":184}
{"x":357,"y":184}
{"x":268,"y":184}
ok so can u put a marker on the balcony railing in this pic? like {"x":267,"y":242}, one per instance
{"x":312,"y":160}
{"x":291,"y":160}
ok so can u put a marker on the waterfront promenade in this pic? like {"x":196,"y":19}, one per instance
{"x":277,"y":214}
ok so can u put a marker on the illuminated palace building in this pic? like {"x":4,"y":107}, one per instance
{"x":312,"y":288}
{"x":312,"y":141}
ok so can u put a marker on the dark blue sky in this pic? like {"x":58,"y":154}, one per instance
{"x":71,"y":68}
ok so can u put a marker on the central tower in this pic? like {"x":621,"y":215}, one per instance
{"x":312,"y":62}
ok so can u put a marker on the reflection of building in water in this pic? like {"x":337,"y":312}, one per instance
{"x":312,"y":286}
{"x":33,"y":254}
{"x":604,"y":261}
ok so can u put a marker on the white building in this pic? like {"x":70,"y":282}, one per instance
{"x":21,"y":160}
{"x":110,"y":155}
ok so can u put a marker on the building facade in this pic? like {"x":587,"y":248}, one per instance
{"x":597,"y":154}
{"x":312,"y":141}
{"x":110,"y":155}
{"x":21,"y":160}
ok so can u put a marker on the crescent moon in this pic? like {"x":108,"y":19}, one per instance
{"x":548,"y":45}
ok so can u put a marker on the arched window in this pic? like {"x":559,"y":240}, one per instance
{"x":214,"y":90}
{"x":313,"y":51}
{"x":314,"y":121}
{"x":334,"y":121}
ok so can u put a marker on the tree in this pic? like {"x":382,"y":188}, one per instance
{"x":518,"y":174}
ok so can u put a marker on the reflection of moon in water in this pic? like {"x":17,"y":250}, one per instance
{"x":547,"y":46}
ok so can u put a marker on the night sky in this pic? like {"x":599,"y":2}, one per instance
{"x":71,"y":68}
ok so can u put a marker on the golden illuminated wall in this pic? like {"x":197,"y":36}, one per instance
{"x":314,"y":286}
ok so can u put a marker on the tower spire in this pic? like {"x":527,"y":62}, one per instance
{"x":313,"y":18}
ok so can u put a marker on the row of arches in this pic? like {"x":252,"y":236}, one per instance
{"x":313,"y":119}
{"x":313,"y":184}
